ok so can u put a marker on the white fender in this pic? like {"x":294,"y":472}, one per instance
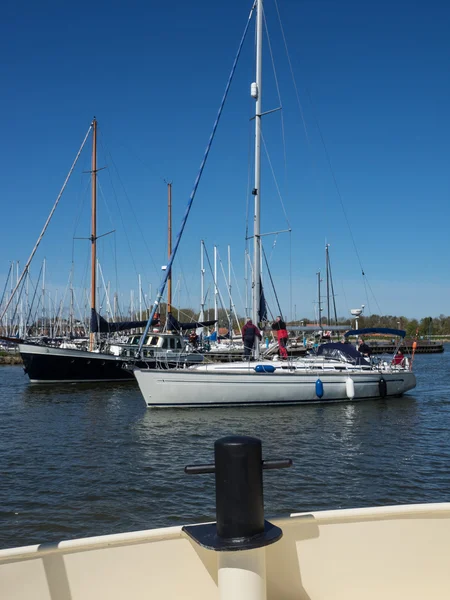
{"x":350,"y":388}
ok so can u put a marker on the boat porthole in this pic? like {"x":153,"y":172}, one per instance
{"x":72,"y":361}
{"x":103,"y":363}
{"x":88,"y":362}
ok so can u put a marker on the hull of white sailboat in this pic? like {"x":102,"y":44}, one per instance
{"x":371,"y":553}
{"x":191,"y":388}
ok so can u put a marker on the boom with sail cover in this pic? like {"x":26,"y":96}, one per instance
{"x":175,"y":325}
{"x":101,"y":325}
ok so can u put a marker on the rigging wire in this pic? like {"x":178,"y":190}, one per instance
{"x":27,"y":321}
{"x":222,"y":303}
{"x":108,"y":153}
{"x":6,"y":284}
{"x":196,"y":184}
{"x":232,"y":306}
{"x":47,"y":223}
{"x":18,"y":302}
{"x":285,"y":165}
{"x":341,"y":201}
{"x":271,"y":281}
{"x":367,"y":295}
{"x":238,"y":291}
{"x":330,"y":275}
{"x":82,"y":203}
{"x":59,"y":313}
{"x":365,"y":280}
{"x":186,"y":286}
{"x":275,"y":181}
{"x":279,"y":96}
{"x":293,"y":77}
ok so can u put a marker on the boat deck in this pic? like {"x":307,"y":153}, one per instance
{"x":356,"y":554}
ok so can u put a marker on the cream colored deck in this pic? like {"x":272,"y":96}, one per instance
{"x":366,"y":554}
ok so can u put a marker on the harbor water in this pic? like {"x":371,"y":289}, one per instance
{"x":83,"y":460}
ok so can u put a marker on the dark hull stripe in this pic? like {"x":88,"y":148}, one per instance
{"x":262,"y":402}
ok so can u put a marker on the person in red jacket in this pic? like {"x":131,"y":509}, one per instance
{"x":249,"y":333}
{"x":399,"y":358}
{"x":282,"y":335}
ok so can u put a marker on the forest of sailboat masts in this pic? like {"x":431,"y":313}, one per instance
{"x":40,"y":310}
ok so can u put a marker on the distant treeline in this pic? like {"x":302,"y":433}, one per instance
{"x":423,"y":327}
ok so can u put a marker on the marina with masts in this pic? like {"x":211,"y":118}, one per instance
{"x":321,"y":469}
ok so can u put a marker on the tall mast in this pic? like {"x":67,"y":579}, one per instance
{"x":230,"y":321}
{"x":216,"y":295}
{"x":43,"y":299}
{"x":256,"y":93}
{"x":116,"y":302}
{"x":327,"y":261}
{"x":93,"y":227}
{"x":202,"y":283}
{"x":169,"y":246}
{"x":71,"y":303}
{"x":319,"y":299}
{"x":140,"y":298}
{"x":330,"y":289}
{"x":27,"y":304}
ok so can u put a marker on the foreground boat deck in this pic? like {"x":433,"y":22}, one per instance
{"x":362,"y":554}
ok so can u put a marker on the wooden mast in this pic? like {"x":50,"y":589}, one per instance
{"x":169,"y":246}
{"x":93,"y":237}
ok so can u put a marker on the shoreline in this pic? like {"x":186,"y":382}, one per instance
{"x":11,"y":359}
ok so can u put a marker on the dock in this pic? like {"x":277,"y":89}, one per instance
{"x":423,"y":347}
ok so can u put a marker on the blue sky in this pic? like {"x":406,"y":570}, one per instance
{"x":373,"y":84}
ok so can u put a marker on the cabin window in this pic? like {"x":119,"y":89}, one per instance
{"x":154,"y":341}
{"x":165,"y":343}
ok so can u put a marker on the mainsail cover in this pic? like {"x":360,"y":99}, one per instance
{"x":262,"y":316}
{"x":101,"y":325}
{"x":175,"y":325}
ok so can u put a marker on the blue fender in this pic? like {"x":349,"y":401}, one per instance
{"x":265,"y":368}
{"x":319,"y":388}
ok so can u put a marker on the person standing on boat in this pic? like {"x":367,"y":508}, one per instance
{"x":249,"y":333}
{"x":193,"y":339}
{"x":364,"y":348}
{"x":282,"y":335}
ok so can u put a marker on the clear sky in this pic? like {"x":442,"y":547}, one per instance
{"x":374,"y":89}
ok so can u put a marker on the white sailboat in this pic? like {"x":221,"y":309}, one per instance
{"x":271,"y":382}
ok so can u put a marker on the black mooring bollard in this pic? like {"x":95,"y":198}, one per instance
{"x":239,"y":497}
{"x":239,"y":487}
